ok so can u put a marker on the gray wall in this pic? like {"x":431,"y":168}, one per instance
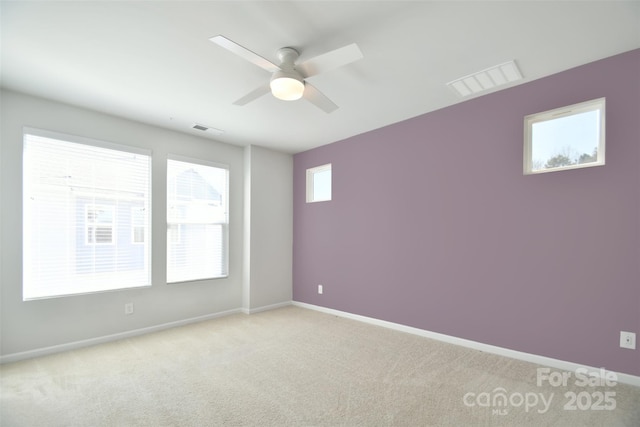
{"x":268,"y":228}
{"x":33,"y":325}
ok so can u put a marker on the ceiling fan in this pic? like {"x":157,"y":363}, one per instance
{"x":288,"y":79}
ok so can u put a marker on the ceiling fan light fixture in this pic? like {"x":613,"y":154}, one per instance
{"x":288,"y":77}
{"x":286,"y":86}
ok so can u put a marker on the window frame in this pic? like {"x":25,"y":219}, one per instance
{"x":310,"y":183}
{"x":598,"y":104}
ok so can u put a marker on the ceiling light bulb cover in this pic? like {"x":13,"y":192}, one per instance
{"x":287,"y":86}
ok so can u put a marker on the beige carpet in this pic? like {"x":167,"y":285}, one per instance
{"x":294,"y":367}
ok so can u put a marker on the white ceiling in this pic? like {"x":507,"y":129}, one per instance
{"x":152,"y":61}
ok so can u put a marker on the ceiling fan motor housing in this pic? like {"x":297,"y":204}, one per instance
{"x":287,"y":57}
{"x":287,"y":83}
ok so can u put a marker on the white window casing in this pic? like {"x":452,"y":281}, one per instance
{"x":78,"y":194}
{"x":318,"y":184}
{"x":197,"y":220}
{"x":564,"y":138}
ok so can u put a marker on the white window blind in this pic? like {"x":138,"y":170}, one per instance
{"x":197,"y":220}
{"x":78,"y":199}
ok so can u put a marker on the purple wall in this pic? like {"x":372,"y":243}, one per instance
{"x":433,"y":225}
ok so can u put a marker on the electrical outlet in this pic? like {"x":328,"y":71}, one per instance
{"x":320,"y":289}
{"x":128,"y":308}
{"x":628,"y":340}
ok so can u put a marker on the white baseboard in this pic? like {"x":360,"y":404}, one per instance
{"x":488,"y":348}
{"x":14,"y":357}
{"x":266,"y":307}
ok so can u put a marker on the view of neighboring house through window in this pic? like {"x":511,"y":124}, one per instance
{"x":85,"y":204}
{"x":138,"y":228}
{"x":197,"y":220}
{"x":99,"y":224}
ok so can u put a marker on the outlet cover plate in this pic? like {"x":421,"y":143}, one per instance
{"x":628,"y":340}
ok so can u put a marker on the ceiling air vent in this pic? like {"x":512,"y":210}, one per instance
{"x":486,"y":80}
{"x":209,"y":129}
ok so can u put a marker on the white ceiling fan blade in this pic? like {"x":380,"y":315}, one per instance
{"x":318,"y":99}
{"x":253,"y":95}
{"x":330,"y":60}
{"x":245,"y":53}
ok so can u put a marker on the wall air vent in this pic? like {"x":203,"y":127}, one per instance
{"x":208,"y":129}
{"x":486,"y":80}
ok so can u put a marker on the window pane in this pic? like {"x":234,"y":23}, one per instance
{"x":322,"y":185}
{"x":77,"y":205}
{"x":137,"y":225}
{"x":566,"y":140}
{"x":197,"y":221}
{"x":319,"y":183}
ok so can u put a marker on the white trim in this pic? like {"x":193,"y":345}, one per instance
{"x":487,"y":348}
{"x":14,"y":357}
{"x":76,"y":139}
{"x":266,"y":307}
{"x":500,"y":351}
{"x":202,"y":162}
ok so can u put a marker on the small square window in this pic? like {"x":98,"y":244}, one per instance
{"x":319,"y":184}
{"x":565,"y":138}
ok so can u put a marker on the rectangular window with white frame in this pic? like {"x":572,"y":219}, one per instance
{"x":569,"y":137}
{"x":318,"y":184}
{"x":78,"y":194}
{"x":197,"y":220}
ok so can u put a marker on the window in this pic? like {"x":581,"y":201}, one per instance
{"x":197,"y":220}
{"x":565,"y":138}
{"x":78,"y":195}
{"x":319,"y":184}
